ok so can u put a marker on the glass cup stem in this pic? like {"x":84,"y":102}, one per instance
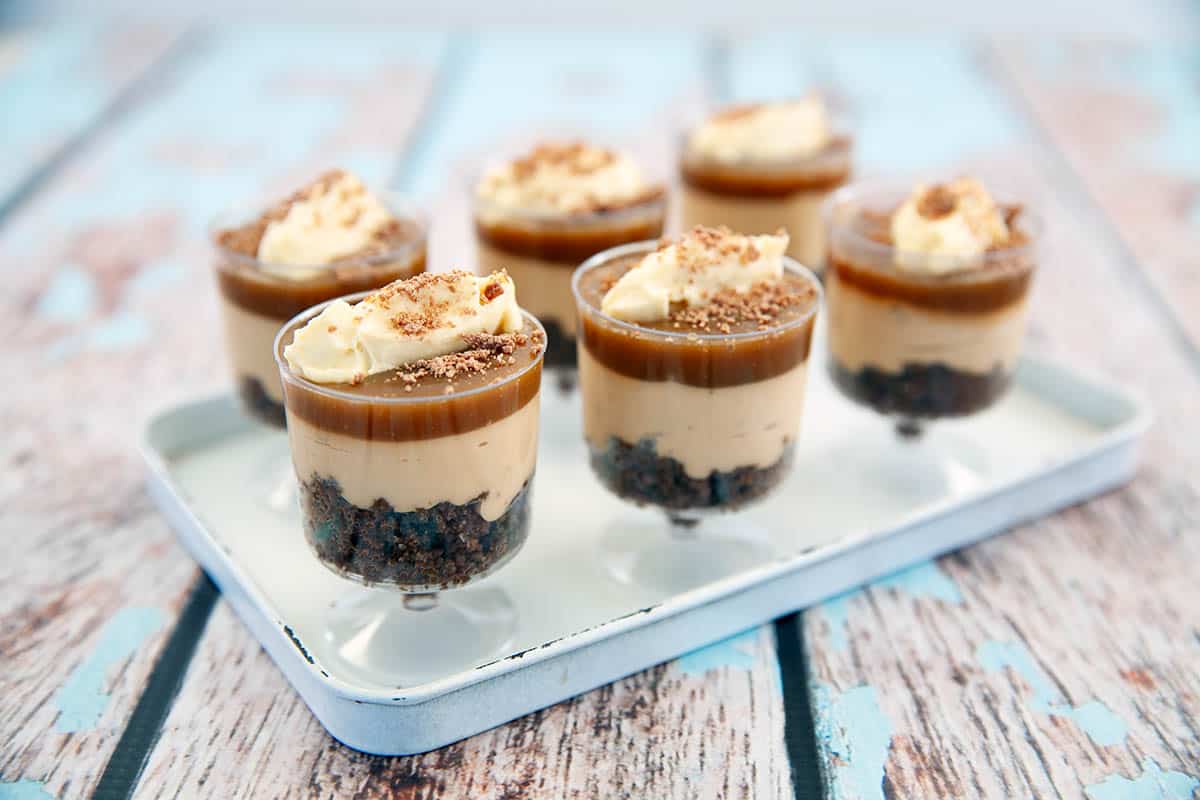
{"x":422,"y":601}
{"x":909,"y":429}
{"x":683,"y":527}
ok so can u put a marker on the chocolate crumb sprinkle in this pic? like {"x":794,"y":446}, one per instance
{"x":485,"y":352}
{"x":762,"y":305}
{"x":938,"y":202}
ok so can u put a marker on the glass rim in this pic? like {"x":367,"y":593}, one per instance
{"x":840,"y":127}
{"x":286,"y":374}
{"x":656,"y":202}
{"x":826,"y":156}
{"x":790,"y":265}
{"x":852,"y":197}
{"x":402,"y":207}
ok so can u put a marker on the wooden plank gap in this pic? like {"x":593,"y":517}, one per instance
{"x":799,"y":728}
{"x":129,"y":757}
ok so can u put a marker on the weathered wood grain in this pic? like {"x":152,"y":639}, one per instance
{"x":59,"y":82}
{"x":109,"y":313}
{"x":1058,"y":660}
{"x":1127,"y":119}
{"x":709,"y":725}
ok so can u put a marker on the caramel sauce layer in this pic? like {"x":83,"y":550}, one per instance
{"x":768,"y":180}
{"x":566,"y":244}
{"x":246,"y":285}
{"x":281,"y":299}
{"x":1000,"y":283}
{"x":428,"y":412}
{"x":706,"y":362}
{"x":997,"y":289}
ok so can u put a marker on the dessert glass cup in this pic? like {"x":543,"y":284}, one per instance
{"x":757,"y":197}
{"x":918,"y":347}
{"x":257,"y":298}
{"x":692,"y":425}
{"x":541,"y":252}
{"x":409,"y":496}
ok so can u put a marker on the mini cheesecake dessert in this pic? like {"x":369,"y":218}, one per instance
{"x":928,"y":296}
{"x":692,"y":365}
{"x":765,"y":166}
{"x":332,"y":237}
{"x":542,"y":215}
{"x":412,"y":415}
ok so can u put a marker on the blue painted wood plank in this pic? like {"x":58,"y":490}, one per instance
{"x":60,"y":81}
{"x":511,"y":84}
{"x":252,"y":109}
{"x":915,"y":103}
{"x":242,"y":116}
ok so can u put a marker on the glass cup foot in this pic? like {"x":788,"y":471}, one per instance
{"x":919,"y":464}
{"x":910,"y":429}
{"x":380,"y":636}
{"x":676,"y":553}
{"x":566,"y":379}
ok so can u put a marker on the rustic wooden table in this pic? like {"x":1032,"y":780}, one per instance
{"x":1061,"y":659}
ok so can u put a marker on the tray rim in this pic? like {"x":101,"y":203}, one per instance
{"x":1139,"y":418}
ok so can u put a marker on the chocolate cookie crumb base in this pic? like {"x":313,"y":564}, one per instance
{"x":639,"y":474}
{"x":258,"y":404}
{"x":560,"y":345}
{"x":446,"y":545}
{"x":922,"y":391}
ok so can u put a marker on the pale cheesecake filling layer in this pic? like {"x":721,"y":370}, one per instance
{"x":250,"y":339}
{"x":494,"y":461}
{"x":545,"y":285}
{"x":704,"y":429}
{"x":799,"y":214}
{"x":866,"y":331}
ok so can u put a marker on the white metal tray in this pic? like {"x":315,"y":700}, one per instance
{"x":858,"y":505}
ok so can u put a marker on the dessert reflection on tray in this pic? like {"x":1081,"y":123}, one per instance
{"x":590,"y":558}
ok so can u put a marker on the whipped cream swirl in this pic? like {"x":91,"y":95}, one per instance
{"x":956,"y":222}
{"x":692,"y":270}
{"x":406,"y":321}
{"x":332,"y":218}
{"x":561,"y":178}
{"x":779,"y":131}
